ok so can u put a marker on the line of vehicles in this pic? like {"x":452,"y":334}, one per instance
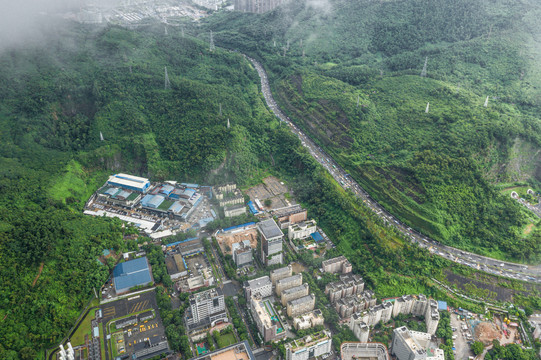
{"x":482,"y":263}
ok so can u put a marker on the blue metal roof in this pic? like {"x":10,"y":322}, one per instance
{"x":166,"y":189}
{"x":317,"y":236}
{"x":442,"y":305}
{"x":131,"y":273}
{"x":189,"y":192}
{"x":146,"y":199}
{"x":176,"y":207}
{"x":112,"y":191}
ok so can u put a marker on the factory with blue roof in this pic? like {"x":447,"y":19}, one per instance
{"x":130,"y":274}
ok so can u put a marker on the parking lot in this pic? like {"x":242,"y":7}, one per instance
{"x":460,"y":342}
{"x":134,"y":336}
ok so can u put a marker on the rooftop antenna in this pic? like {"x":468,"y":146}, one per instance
{"x":211,"y":47}
{"x":423,"y":73}
{"x":220,"y":109}
{"x":167,"y":83}
{"x":228,"y":123}
{"x":101,"y":138}
{"x":427,"y":107}
{"x":486,"y":102}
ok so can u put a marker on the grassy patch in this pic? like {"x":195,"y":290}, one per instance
{"x":84,"y":328}
{"x":226,"y":340}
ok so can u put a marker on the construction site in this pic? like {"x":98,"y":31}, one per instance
{"x":227,"y":237}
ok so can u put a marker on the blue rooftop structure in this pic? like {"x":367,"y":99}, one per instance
{"x":193,"y":186}
{"x":442,"y":305}
{"x":166,"y":189}
{"x":189,"y":192}
{"x":131,"y":273}
{"x":152,"y":201}
{"x":252,"y":208}
{"x":317,"y":236}
{"x":176,"y":207}
{"x":112,"y":191}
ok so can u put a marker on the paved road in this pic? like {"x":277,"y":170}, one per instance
{"x":482,"y":263}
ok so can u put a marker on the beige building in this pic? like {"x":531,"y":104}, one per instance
{"x":336,"y":265}
{"x":290,"y":215}
{"x":235,"y":210}
{"x":294,"y":293}
{"x":301,"y":230}
{"x":311,"y":346}
{"x":280,"y":274}
{"x":301,"y":305}
{"x":270,"y":327}
{"x":308,"y":320}
{"x":348,"y":285}
{"x":288,"y":283}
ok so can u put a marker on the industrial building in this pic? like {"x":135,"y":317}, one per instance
{"x":414,"y":345}
{"x":119,"y":196}
{"x":234,"y":210}
{"x":287,"y":283}
{"x":348,"y":285}
{"x":266,"y":319}
{"x":290,"y":215}
{"x":309,"y":347}
{"x":129,"y":182}
{"x":238,"y":351}
{"x":301,"y":230}
{"x":261,"y":286}
{"x":206,"y":309}
{"x":336,"y":265}
{"x":130,"y":274}
{"x":271,"y":242}
{"x":308,"y":320}
{"x":281,"y":273}
{"x":363,"y":351}
{"x":301,"y":305}
{"x":294,"y":293}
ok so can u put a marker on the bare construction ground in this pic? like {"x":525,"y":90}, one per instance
{"x":226,"y":240}
{"x":271,"y":189}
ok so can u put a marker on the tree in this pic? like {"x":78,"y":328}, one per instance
{"x":478,"y":347}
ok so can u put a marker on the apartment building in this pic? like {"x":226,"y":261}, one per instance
{"x":348,"y":285}
{"x":271,"y":242}
{"x":308,"y":320}
{"x":242,"y":253}
{"x":261,"y":286}
{"x":309,"y":347}
{"x":411,"y":345}
{"x":288,"y":283}
{"x":207,"y":307}
{"x":280,"y":274}
{"x":294,"y":293}
{"x":337,"y":265}
{"x":403,"y":305}
{"x":266,"y":319}
{"x":301,"y":305}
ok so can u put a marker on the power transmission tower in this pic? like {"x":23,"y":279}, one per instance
{"x":288,"y":44}
{"x":358,"y":98}
{"x":182,"y":31}
{"x":228,"y":123}
{"x":130,"y":69}
{"x":486,"y":102}
{"x":301,"y":43}
{"x":101,"y":136}
{"x":302,"y":52}
{"x":220,"y":109}
{"x":274,"y":43}
{"x":167,"y":83}
{"x":423,"y":72}
{"x":212,"y":47}
{"x":166,"y":30}
{"x":285,"y":49}
{"x":427,"y":107}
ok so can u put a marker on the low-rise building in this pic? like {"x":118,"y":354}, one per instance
{"x":288,"y":283}
{"x":281,"y":273}
{"x":242,"y":253}
{"x":266,"y":319}
{"x":261,"y":286}
{"x":290,"y":215}
{"x":238,"y":351}
{"x":309,"y":320}
{"x":363,"y":351}
{"x":294,"y":293}
{"x":234,"y":210}
{"x":301,"y":305}
{"x":301,"y":230}
{"x":336,"y":265}
{"x":309,"y":347}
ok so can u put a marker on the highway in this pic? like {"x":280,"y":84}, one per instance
{"x":478,"y":262}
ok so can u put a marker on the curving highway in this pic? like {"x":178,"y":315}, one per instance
{"x":478,"y":262}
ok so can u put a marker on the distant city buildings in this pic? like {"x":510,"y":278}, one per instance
{"x":257,"y":6}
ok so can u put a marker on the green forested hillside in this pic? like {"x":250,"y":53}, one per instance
{"x":55,"y":100}
{"x":359,"y":93}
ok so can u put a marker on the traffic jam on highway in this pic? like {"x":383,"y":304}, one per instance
{"x":492,"y":266}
